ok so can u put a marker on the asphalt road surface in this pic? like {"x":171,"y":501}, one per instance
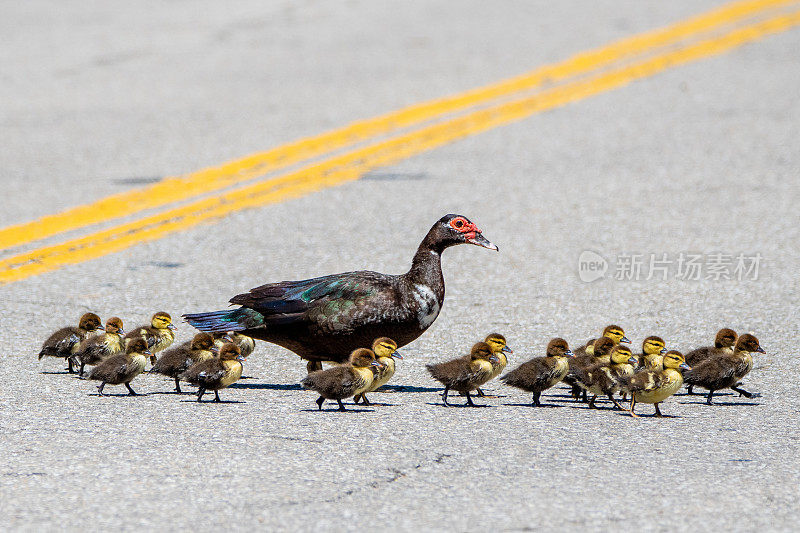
{"x":701,"y":158}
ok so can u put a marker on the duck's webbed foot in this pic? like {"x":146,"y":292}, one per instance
{"x":744,"y":393}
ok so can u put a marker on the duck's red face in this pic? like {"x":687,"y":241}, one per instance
{"x":463,"y":230}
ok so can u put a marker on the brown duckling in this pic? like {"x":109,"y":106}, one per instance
{"x":465,"y":374}
{"x":723,"y":343}
{"x":98,"y":347}
{"x":246,"y":344}
{"x":653,"y":350}
{"x":497,"y":343}
{"x":177,"y":360}
{"x":604,"y":378}
{"x":65,"y":341}
{"x":655,"y":386}
{"x":385,"y":351}
{"x":541,"y":373}
{"x":159,"y":334}
{"x":724,"y":370}
{"x":613,"y":332}
{"x":600,"y":354}
{"x":216,"y":373}
{"x":122,"y":368}
{"x":340,"y":382}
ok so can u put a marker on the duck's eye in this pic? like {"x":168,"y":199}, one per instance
{"x":458,"y":223}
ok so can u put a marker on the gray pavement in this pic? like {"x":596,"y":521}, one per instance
{"x":702,"y":158}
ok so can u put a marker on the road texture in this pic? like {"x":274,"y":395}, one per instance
{"x":701,"y":158}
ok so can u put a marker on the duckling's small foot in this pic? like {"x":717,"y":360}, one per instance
{"x":633,"y":404}
{"x":80,"y":370}
{"x":744,"y":393}
{"x":100,"y":388}
{"x":444,"y":397}
{"x":584,"y":396}
{"x":131,"y":392}
{"x":200,"y":393}
{"x":591,"y":402}
{"x":178,"y":386}
{"x":690,"y":390}
{"x":313,"y":366}
{"x":69,"y":365}
{"x":536,"y":396}
{"x":469,"y":400}
{"x":709,"y":398}
{"x":658,"y":412}
{"x":364,"y":400}
{"x":216,"y":396}
{"x":320,"y":401}
{"x":480,"y":393}
{"x":615,"y":402}
{"x":341,"y":405}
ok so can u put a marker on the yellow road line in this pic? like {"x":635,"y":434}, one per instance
{"x":176,"y":189}
{"x":352,"y":165}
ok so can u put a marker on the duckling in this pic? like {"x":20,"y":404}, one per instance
{"x":98,"y":347}
{"x":177,"y":360}
{"x":123,"y":367}
{"x":541,"y":373}
{"x":600,"y":354}
{"x":385,"y":351}
{"x":604,"y":378}
{"x":216,"y":373}
{"x":724,"y":370}
{"x":613,"y":332}
{"x":246,"y":344}
{"x":340,"y":382}
{"x":653,"y":350}
{"x":723,"y":343}
{"x":499,"y":348}
{"x":465,"y":373}
{"x":655,"y":386}
{"x":159,"y":334}
{"x":63,"y":342}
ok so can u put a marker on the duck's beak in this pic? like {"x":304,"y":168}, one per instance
{"x":214,"y":350}
{"x":228,"y":336}
{"x":506,"y":349}
{"x":625,"y":339}
{"x":569,"y":353}
{"x":241,"y":359}
{"x":684,"y":366}
{"x":480,"y":240}
{"x":171,"y":326}
{"x":100,"y":328}
{"x":663,"y":351}
{"x":147,"y":352}
{"x":633,"y":360}
{"x":494,"y":359}
{"x":120,"y":331}
{"x":396,"y":354}
{"x":375,"y":363}
{"x":760,"y":350}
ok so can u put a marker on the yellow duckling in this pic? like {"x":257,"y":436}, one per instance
{"x":499,"y":348}
{"x":613,"y":332}
{"x":606,"y":378}
{"x":655,"y":386}
{"x":98,"y":347}
{"x":122,"y":368}
{"x":385,"y":351}
{"x":653,"y":350}
{"x":246,"y":344}
{"x":465,"y":374}
{"x":160,"y":334}
{"x":541,"y":373}
{"x":65,"y":341}
{"x":344,"y":381}
{"x":216,"y":373}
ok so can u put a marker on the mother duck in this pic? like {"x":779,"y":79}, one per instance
{"x":326,"y":318}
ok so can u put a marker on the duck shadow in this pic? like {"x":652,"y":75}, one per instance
{"x":380,"y":404}
{"x":337,"y":410}
{"x":266,"y":386}
{"x":408,"y":388}
{"x":651,"y":416}
{"x":458,"y":405}
{"x":59,"y":373}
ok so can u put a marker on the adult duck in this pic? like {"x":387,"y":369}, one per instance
{"x":326,"y":318}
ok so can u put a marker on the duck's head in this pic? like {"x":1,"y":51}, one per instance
{"x":90,"y":322}
{"x":482,"y":351}
{"x":674,"y":359}
{"x":230,"y":352}
{"x":385,"y":347}
{"x":203,"y":341}
{"x":558,"y":347}
{"x":364,"y":358}
{"x":114,"y":325}
{"x":162,"y":320}
{"x":748,"y":343}
{"x":603,"y":346}
{"x":455,"y":229}
{"x":622,"y":354}
{"x":725,"y":338}
{"x":137,"y":345}
{"x":654,"y":345}
{"x":497,"y":343}
{"x":616,"y":334}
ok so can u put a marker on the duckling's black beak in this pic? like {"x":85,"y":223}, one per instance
{"x":633,"y":360}
{"x":396,"y":354}
{"x":228,"y":336}
{"x":171,"y":326}
{"x":120,"y":331}
{"x":684,"y":366}
{"x":241,"y":359}
{"x":760,"y":350}
{"x":569,"y":353}
{"x":480,"y":240}
{"x":506,"y":349}
{"x":494,"y":359}
{"x":214,"y":350}
{"x":663,"y":351}
{"x":375,"y":363}
{"x":625,"y":339}
{"x":147,"y":352}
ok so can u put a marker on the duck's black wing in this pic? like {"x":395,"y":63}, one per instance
{"x":336,"y":304}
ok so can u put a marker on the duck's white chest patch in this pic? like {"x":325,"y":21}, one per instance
{"x":428,"y":305}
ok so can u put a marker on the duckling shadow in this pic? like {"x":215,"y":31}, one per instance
{"x":337,"y":410}
{"x":212,"y":401}
{"x":546,"y":405}
{"x":458,"y":405}
{"x":651,"y":416}
{"x":723,"y":404}
{"x":59,"y":373}
{"x":408,"y":388}
{"x":266,"y":386}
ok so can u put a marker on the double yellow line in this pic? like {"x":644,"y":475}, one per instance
{"x":411,"y":131}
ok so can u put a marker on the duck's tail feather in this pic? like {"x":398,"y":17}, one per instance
{"x":227,"y":320}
